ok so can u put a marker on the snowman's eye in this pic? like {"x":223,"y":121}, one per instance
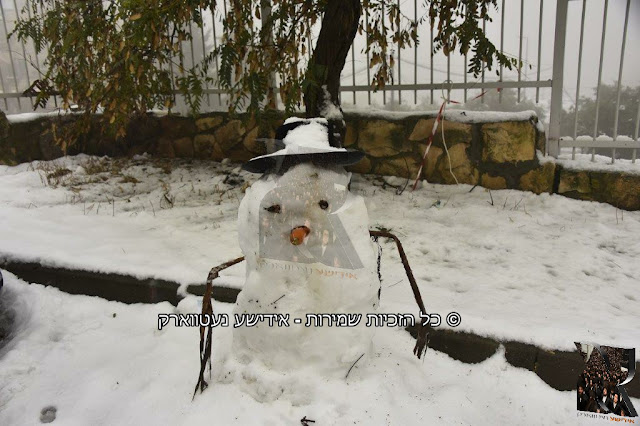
{"x":323,"y":204}
{"x":273,"y":209}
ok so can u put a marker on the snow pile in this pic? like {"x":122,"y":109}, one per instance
{"x":459,"y":116}
{"x":330,"y":110}
{"x":312,"y":135}
{"x":32,"y":116}
{"x":58,"y":112}
{"x":309,"y":138}
{"x":600,"y":163}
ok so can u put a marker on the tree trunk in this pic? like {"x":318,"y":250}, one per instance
{"x":339,"y":27}
{"x":267,"y":39}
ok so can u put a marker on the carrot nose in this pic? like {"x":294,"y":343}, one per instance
{"x":297,"y":234}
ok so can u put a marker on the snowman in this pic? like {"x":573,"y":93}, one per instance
{"x":310,"y":262}
{"x":307,"y":249}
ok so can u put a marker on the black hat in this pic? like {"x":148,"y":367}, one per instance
{"x":301,"y":140}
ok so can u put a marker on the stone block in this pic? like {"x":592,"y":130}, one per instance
{"x":493,"y":182}
{"x":142,"y":129}
{"x":362,"y":166}
{"x":25,"y":140}
{"x":454,"y":132}
{"x":165,"y":148}
{"x":177,"y":127}
{"x":574,"y":181}
{"x":206,"y":148}
{"x":249,"y":142}
{"x":508,"y":142}
{"x":618,"y":189}
{"x":183,"y":147}
{"x":49,"y":149}
{"x":406,"y":166}
{"x":430,"y":162}
{"x":422,"y":130}
{"x":380,"y":138}
{"x":541,"y":141}
{"x":238,"y":154}
{"x":540,"y":179}
{"x":206,"y":123}
{"x":351,"y":135}
{"x":461,"y":166}
{"x":230,"y":134}
{"x":4,"y":125}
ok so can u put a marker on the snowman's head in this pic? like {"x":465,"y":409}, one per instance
{"x":299,"y":217}
{"x":296,"y":203}
{"x":299,"y":220}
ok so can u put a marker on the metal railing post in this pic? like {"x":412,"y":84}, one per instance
{"x":602,"y":44}
{"x":553,"y":140}
{"x":13,"y":66}
{"x":366,"y":24}
{"x":501,"y":50}
{"x":539,"y":50}
{"x":577,"y":103}
{"x":204,"y":56}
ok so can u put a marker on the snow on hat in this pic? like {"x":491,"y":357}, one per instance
{"x":301,"y":140}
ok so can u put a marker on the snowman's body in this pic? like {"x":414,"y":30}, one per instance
{"x":333,"y":271}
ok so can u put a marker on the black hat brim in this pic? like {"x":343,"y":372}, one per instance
{"x":283,"y":162}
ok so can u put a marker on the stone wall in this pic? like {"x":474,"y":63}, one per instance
{"x":495,"y":155}
{"x":496,"y":151}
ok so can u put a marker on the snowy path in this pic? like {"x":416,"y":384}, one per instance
{"x":541,"y":269}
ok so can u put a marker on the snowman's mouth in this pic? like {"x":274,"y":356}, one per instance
{"x":298,"y":234}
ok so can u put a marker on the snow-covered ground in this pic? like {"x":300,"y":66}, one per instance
{"x":105,"y":363}
{"x":535,"y":268}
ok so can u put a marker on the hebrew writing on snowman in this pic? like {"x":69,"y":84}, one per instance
{"x":308,"y":250}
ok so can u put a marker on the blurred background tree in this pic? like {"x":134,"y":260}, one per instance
{"x":629,"y":98}
{"x":627,"y":113}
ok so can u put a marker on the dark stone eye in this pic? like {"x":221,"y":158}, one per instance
{"x":323,"y":204}
{"x":273,"y":209}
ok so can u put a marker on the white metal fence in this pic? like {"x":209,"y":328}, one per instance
{"x":551,"y":38}
{"x":596,"y":139}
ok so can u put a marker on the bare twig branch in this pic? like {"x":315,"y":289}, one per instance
{"x":207,"y":309}
{"x":421,"y":343}
{"x":352,"y":365}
